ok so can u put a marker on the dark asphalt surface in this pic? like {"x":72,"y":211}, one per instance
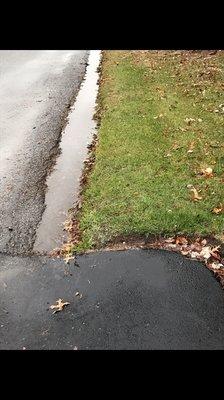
{"x":36,"y":89}
{"x":137,"y":299}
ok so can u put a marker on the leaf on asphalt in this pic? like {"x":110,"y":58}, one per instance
{"x":218,"y":210}
{"x":195,"y":195}
{"x":59,"y":306}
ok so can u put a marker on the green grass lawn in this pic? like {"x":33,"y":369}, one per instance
{"x":138,"y":185}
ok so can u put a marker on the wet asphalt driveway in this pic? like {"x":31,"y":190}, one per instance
{"x":36,"y":90}
{"x":137,"y":299}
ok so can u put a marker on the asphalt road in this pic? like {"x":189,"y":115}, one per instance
{"x":136,"y":299}
{"x":36,"y":90}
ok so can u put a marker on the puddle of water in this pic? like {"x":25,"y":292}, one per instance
{"x":63,"y":182}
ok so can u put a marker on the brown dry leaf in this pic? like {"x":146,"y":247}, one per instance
{"x":191,"y":147}
{"x":195,"y":195}
{"x":185,"y":252}
{"x":59,"y":306}
{"x":170,"y":240}
{"x":196,"y":247}
{"x":68,"y":257}
{"x":176,"y":146}
{"x":194,"y":254}
{"x":218,"y":210}
{"x":159,"y":116}
{"x":215,"y":265}
{"x":67,"y":247}
{"x":189,"y":120}
{"x":181,"y":240}
{"x":208,"y":252}
{"x":215,"y":252}
{"x":207,"y":172}
{"x":205,"y":252}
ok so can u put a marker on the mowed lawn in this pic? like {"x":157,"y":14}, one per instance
{"x":162,"y":128}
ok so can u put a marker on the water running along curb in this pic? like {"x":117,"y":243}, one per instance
{"x":63,"y":182}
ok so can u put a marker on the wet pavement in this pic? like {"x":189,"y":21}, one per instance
{"x":36,"y":90}
{"x":63,"y":183}
{"x":135,"y":299}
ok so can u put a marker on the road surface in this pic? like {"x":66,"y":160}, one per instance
{"x":136,"y":299}
{"x":36,"y":90}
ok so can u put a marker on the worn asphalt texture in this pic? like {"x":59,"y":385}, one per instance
{"x":136,"y":299}
{"x":36,"y":90}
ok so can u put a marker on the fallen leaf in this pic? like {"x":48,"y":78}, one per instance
{"x":195,"y":195}
{"x":184,"y":252}
{"x":191,"y":147}
{"x":170,"y":240}
{"x":207,"y":172}
{"x":215,"y":252}
{"x":175,"y":146}
{"x":59,"y":306}
{"x":205,"y":252}
{"x":215,"y":265}
{"x":181,"y":240}
{"x":194,"y":254}
{"x":158,"y":116}
{"x":68,"y":257}
{"x":218,"y":210}
{"x":189,"y":120}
